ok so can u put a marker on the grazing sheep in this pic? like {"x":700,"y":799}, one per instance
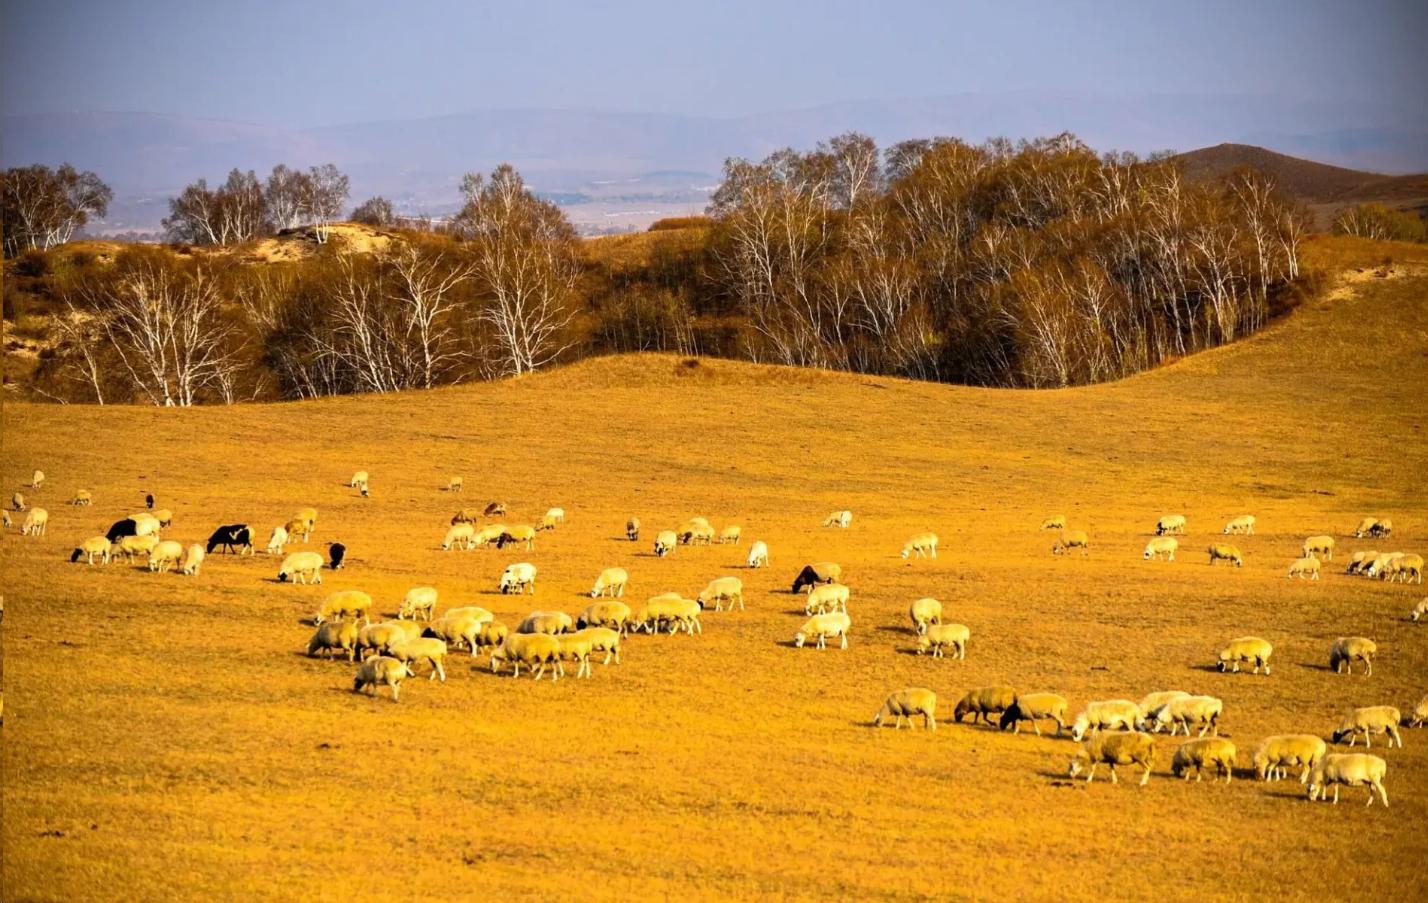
{"x":1319,"y":546}
{"x":1420,"y":713}
{"x":17,"y":501}
{"x":695,"y":533}
{"x":1224,"y":552}
{"x":144,"y":524}
{"x":122,"y":528}
{"x":379,"y":638}
{"x":1360,"y":561}
{"x":669,"y":610}
{"x":336,"y":555}
{"x":37,"y":480}
{"x":1365,"y":527}
{"x":1072,"y":539}
{"x":1381,"y":565}
{"x":301,"y":567}
{"x":611,"y":582}
{"x":423,"y":650}
{"x":1370,"y":720}
{"x":465,"y":516}
{"x":923,"y":612}
{"x":554,"y":516}
{"x":378,"y":670}
{"x":81,"y":497}
{"x":822,"y":627}
{"x":1105,"y":715}
{"x":838,"y":519}
{"x":576,"y":647}
{"x":816,"y":573}
{"x":455,"y":632}
{"x":455,"y":484}
{"x":5,"y":519}
{"x":1349,"y":770}
{"x":1246,"y":649}
{"x":1276,"y":754}
{"x":487,"y":535}
{"x":1199,"y":755}
{"x":306,"y":519}
{"x":1383,"y":528}
{"x":665,"y":543}
{"x":1184,"y":711}
{"x":165,"y":555}
{"x":521,"y":533}
{"x":518,"y":578}
{"x":417,"y":604}
{"x":1242,"y":525}
{"x":1349,"y":649}
{"x":459,"y":536}
{"x":234,"y":538}
{"x":1153,"y":701}
{"x":495,"y":509}
{"x":1133,"y":748}
{"x":334,"y":636}
{"x":1054,"y":522}
{"x":537,"y":651}
{"x":904,"y":705}
{"x":346,"y":603}
{"x":939,"y":636}
{"x":923,"y":545}
{"x":552,"y":622}
{"x":277,"y":540}
{"x":632,"y":529}
{"x":475,"y":612}
{"x":725,"y":589}
{"x":731,"y":534}
{"x":36,"y":521}
{"x":491,"y":636}
{"x":826,"y":597}
{"x":1420,"y":609}
{"x":1170,"y":523}
{"x":91,"y":547}
{"x":758,"y":555}
{"x":1161,"y":547}
{"x":132,"y":545}
{"x":603,"y":639}
{"x":359,"y":479}
{"x":1032,"y":707}
{"x":614,"y":615}
{"x":1408,"y":568}
{"x":984,"y":702}
{"x":192,"y":560}
{"x":1304,"y":568}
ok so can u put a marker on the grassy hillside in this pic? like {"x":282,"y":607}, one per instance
{"x":164,"y":737}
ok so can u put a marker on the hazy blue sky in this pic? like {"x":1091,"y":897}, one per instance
{"x":295,"y":64}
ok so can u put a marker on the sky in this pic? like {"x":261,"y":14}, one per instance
{"x":294,"y":64}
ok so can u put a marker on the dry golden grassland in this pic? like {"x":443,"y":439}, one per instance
{"x":165,"y":737}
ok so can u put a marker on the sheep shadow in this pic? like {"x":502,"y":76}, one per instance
{"x":1214,"y":669}
{"x":889,"y":628}
{"x":1315,"y":666}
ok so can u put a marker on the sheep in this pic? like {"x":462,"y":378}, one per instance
{"x":555,"y":515}
{"x":838,"y":519}
{"x":547,"y":523}
{"x":826,"y":597}
{"x":1349,"y":649}
{"x":1275,"y":754}
{"x":1419,"y":610}
{"x":192,"y":560}
{"x":1349,"y":770}
{"x":131,"y":545}
{"x":1365,"y":527}
{"x":576,"y":648}
{"x":1360,"y":561}
{"x":165,"y":555}
{"x":36,"y":522}
{"x":37,"y":480}
{"x":1206,"y":753}
{"x":417,"y":604}
{"x":695,"y":533}
{"x":1306,"y":568}
{"x":551,"y":622}
{"x":538,"y":651}
{"x":1105,"y":715}
{"x":1170,"y":523}
{"x":1153,"y":701}
{"x":121,"y":528}
{"x":984,"y":702}
{"x":905,"y":704}
{"x":91,"y":547}
{"x":1316,"y":546}
{"x":632,"y":529}
{"x":465,"y":516}
{"x":359,"y":479}
{"x":924,"y":612}
{"x":495,"y":509}
{"x":518,"y":578}
{"x":1225,"y":552}
{"x":81,"y":497}
{"x":940,"y":636}
{"x":924,"y":545}
{"x":334,"y":636}
{"x":611,"y":582}
{"x":816,"y":573}
{"x":1408,"y":568}
{"x":615,"y":615}
{"x":1054,"y":522}
{"x":491,"y":635}
{"x":1383,"y":528}
{"x":336,"y":555}
{"x":665,"y":543}
{"x":822,"y":627}
{"x":1242,"y":525}
{"x":379,"y":638}
{"x":455,"y":484}
{"x":603,"y":639}
{"x":5,"y":519}
{"x":1183,"y":711}
{"x":303,"y":522}
{"x":347,"y":603}
{"x":1420,"y":713}
{"x":301,"y":567}
{"x":1072,"y":539}
{"x":1370,"y":720}
{"x":474,"y":612}
{"x":1133,"y":748}
{"x":277,"y":540}
{"x":381,"y":669}
{"x":758,"y":555}
{"x":670,"y":610}
{"x":731,"y":534}
{"x":1380,"y":565}
{"x":17,"y":501}
{"x":145,"y":523}
{"x":521,"y":533}
{"x":1032,"y":707}
{"x":1161,"y":546}
{"x":234,"y":538}
{"x":423,"y":650}
{"x":724,"y":589}
{"x":487,"y":535}
{"x":459,"y":536}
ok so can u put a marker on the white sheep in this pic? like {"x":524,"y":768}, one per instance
{"x":939,"y":636}
{"x":758,"y":555}
{"x":577,"y":648}
{"x":1203,"y":754}
{"x":603,"y":639}
{"x":721,"y":590}
{"x":1365,"y":527}
{"x":924,"y":545}
{"x":460,"y":536}
{"x":303,"y":523}
{"x":905,"y":704}
{"x":423,"y":650}
{"x":165,"y":555}
{"x":82,"y":497}
{"x":1054,"y":522}
{"x":1275,"y":754}
{"x":1420,"y":713}
{"x":518,"y":578}
{"x":359,"y":479}
{"x":1170,"y":523}
{"x":1319,"y":546}
{"x":1349,"y":770}
{"x":475,"y":612}
{"x":1246,"y":649}
{"x":555,"y":515}
{"x":145,"y":524}
{"x":838,"y":519}
{"x":731,"y":534}
{"x":552,"y":622}
{"x":380,"y":638}
{"x":37,"y":480}
{"x":381,"y":669}
{"x":277,"y":540}
{"x":1222,"y":551}
{"x":17,"y":501}
{"x":129,"y":546}
{"x":347,"y":603}
{"x":334,"y":636}
{"x":611,"y":582}
{"x":632,"y":529}
{"x":418,"y":604}
{"x":1406,"y":568}
{"x":1242,"y":525}
{"x":923,"y":612}
{"x":826,"y":597}
{"x":665,"y":543}
{"x":301,"y":567}
{"x":1132,"y":748}
{"x":1072,"y":539}
{"x":455,"y":484}
{"x":487,"y":535}
{"x":456,"y":632}
{"x":1161,"y":547}
{"x":192,"y":560}
{"x":1105,"y":715}
{"x":1419,"y":610}
{"x":669,"y":610}
{"x":611,"y":614}
{"x":537,"y":651}
{"x":1370,"y":720}
{"x":36,"y":521}
{"x":1349,"y":649}
{"x":92,"y":547}
{"x":1033,"y":707}
{"x":696,"y":532}
{"x":515,"y":536}
{"x":1306,"y":568}
{"x":822,"y":627}
{"x":983,"y":702}
{"x":1152,"y":701}
{"x":1185,"y":711}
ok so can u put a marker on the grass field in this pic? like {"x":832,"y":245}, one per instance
{"x":164,"y":737}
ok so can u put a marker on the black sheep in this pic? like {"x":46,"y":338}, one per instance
{"x":149,"y":500}
{"x":338,"y":553}
{"x":812,"y":575}
{"x":233,"y":538}
{"x":121,"y":529}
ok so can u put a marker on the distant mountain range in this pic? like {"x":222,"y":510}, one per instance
{"x":625,"y":168}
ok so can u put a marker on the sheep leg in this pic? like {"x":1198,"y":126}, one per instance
{"x":1114,"y":780}
{"x":439,"y":669}
{"x":1145,"y":778}
{"x":844,"y":643}
{"x":1383,"y":794}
